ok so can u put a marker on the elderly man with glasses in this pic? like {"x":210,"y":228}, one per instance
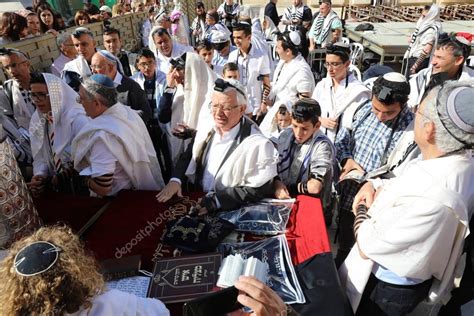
{"x":129,"y":92}
{"x":230,"y":159}
{"x":57,"y":120}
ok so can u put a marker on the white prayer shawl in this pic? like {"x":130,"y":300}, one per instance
{"x":253,"y":163}
{"x":344,"y":102}
{"x":21,"y":111}
{"x":271,"y":31}
{"x":136,"y":155}
{"x":290,"y":79}
{"x":115,"y":302}
{"x":188,"y":100}
{"x":420,"y":81}
{"x":417,"y":227}
{"x":79,"y":66}
{"x":68,"y":119}
{"x":431,"y":20}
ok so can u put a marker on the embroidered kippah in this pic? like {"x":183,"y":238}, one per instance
{"x":102,"y":80}
{"x":36,"y":258}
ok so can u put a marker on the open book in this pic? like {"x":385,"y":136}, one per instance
{"x":234,"y":266}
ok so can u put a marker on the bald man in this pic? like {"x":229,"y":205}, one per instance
{"x":129,"y":92}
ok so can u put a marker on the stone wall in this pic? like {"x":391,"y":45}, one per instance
{"x":42,"y":50}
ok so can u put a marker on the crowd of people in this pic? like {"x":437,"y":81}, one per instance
{"x":231,"y":107}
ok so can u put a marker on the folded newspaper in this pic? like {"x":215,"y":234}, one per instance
{"x":274,"y":252}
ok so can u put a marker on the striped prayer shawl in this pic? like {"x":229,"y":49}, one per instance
{"x":321,"y":27}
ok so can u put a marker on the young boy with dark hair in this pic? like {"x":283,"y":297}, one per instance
{"x":231,"y":71}
{"x":306,"y":157}
{"x":205,"y":50}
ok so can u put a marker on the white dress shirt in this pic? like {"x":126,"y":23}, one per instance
{"x":219,"y":147}
{"x":254,"y":64}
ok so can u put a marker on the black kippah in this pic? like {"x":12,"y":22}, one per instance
{"x":36,"y":258}
{"x":306,"y":108}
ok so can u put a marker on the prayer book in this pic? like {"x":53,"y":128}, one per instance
{"x":137,"y":285}
{"x":180,"y":279}
{"x":234,"y":266}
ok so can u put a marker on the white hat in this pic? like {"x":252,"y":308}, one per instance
{"x":105,"y":9}
{"x":218,"y":37}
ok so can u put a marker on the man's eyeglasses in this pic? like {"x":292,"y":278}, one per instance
{"x":225,"y":108}
{"x":14,"y":65}
{"x":94,"y":67}
{"x":40,"y":96}
{"x":333,"y":64}
{"x":146,"y":65}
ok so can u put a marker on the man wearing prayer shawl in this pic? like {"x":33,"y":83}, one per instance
{"x":423,"y":40}
{"x":320,"y":34}
{"x":188,"y":89}
{"x":114,"y":149}
{"x":19,"y":107}
{"x":339,"y":93}
{"x":411,"y":238}
{"x":77,"y":69}
{"x":230,"y":159}
{"x":57,"y":120}
{"x":293,"y":78}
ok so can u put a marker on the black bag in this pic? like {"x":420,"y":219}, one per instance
{"x":196,"y":234}
{"x":364,"y":27}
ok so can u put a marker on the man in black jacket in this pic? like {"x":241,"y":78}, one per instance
{"x":271,"y":12}
{"x":129,"y":92}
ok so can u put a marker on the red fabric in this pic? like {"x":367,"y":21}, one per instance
{"x":306,"y":234}
{"x":134,"y":223}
